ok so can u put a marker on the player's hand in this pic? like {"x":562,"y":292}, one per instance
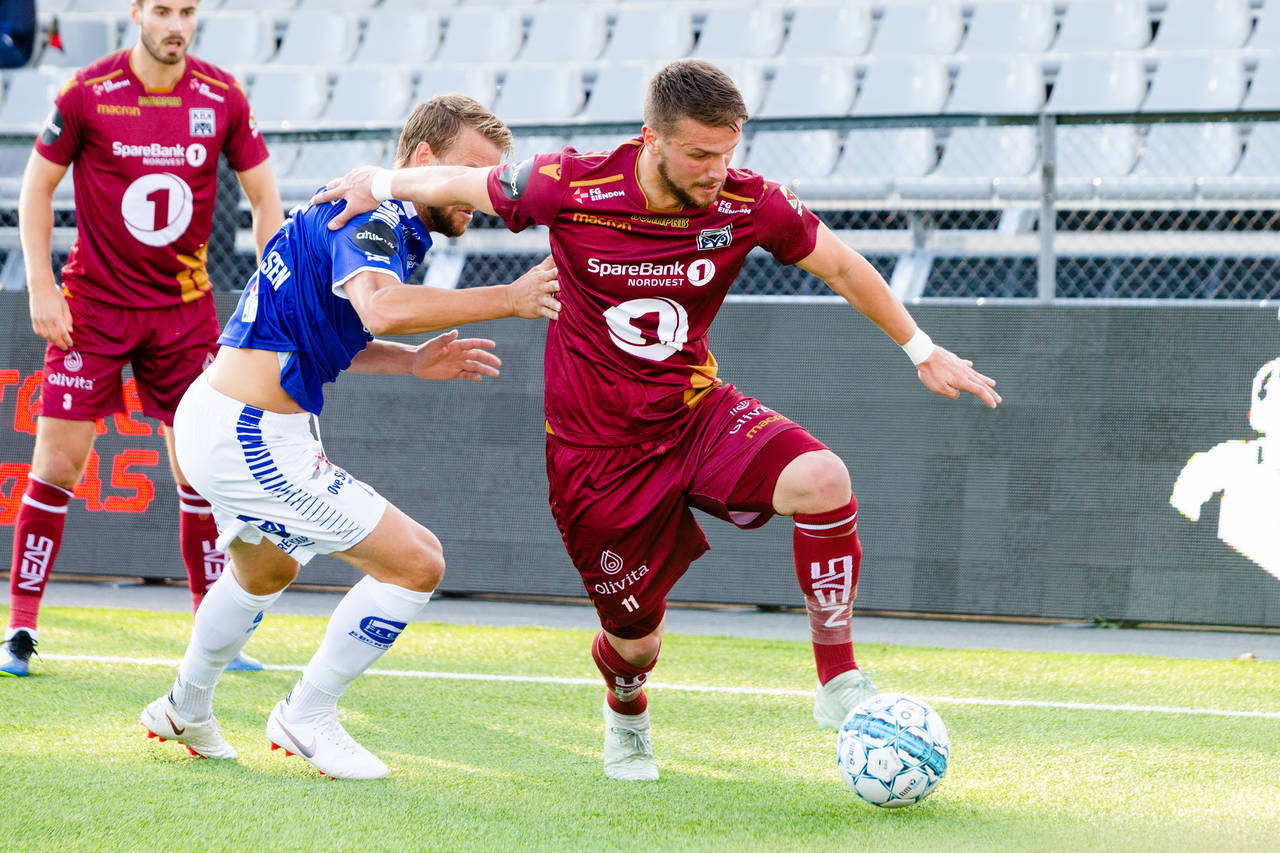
{"x":947,"y":374}
{"x":50,"y":315}
{"x":355,"y":189}
{"x":447,"y":357}
{"x":533,"y":294}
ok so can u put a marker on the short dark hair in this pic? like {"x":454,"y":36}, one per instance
{"x":440,"y":120}
{"x":696,"y":89}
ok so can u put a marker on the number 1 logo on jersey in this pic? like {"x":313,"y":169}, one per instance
{"x":157,"y":208}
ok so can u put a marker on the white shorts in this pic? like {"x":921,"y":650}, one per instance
{"x":266,"y":475}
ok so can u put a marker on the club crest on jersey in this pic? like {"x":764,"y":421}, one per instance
{"x":715,"y":238}
{"x":792,"y":200}
{"x":202,"y":121}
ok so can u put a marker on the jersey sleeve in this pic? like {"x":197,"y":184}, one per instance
{"x":367,"y":242}
{"x":62,"y":135}
{"x":787,"y":229}
{"x":244,"y":145}
{"x":530,"y":192}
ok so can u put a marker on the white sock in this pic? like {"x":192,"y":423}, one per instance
{"x":226,"y":620}
{"x":363,"y":626}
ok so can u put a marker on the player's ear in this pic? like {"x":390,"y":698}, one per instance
{"x":649,"y":137}
{"x":422,"y":155}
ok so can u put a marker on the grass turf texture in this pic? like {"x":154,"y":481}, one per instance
{"x":485,"y":765}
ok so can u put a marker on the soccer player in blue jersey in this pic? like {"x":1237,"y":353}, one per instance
{"x":310,"y":311}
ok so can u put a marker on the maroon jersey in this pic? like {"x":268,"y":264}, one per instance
{"x":145,"y":176}
{"x":628,"y":359}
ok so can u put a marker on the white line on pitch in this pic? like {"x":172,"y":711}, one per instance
{"x":708,"y":688}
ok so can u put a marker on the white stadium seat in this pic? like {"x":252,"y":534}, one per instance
{"x":537,"y":93}
{"x":1174,"y":157}
{"x":318,"y":162}
{"x":477,"y":82}
{"x":565,"y":33}
{"x":740,"y":32}
{"x":272,"y":6}
{"x":84,"y":39}
{"x":828,"y":30}
{"x":1264,"y":91}
{"x":1266,"y":35}
{"x":29,"y":95}
{"x":618,"y":92}
{"x":1011,"y":84}
{"x":235,"y":38}
{"x":482,"y":35}
{"x":909,"y":28}
{"x":662,"y":33}
{"x":1197,"y":82}
{"x":916,"y":85}
{"x":1203,"y":24}
{"x":335,"y":5}
{"x":370,"y":93}
{"x":318,"y":38}
{"x":409,"y":37}
{"x":977,"y":161}
{"x":1088,"y":153}
{"x":588,"y":142}
{"x":748,"y":76}
{"x":872,"y":160}
{"x":1100,"y":25}
{"x":788,"y":155}
{"x":1011,"y":27}
{"x":96,"y":7}
{"x":524,"y":146}
{"x":13,"y":162}
{"x":810,"y":89}
{"x":1258,"y":173}
{"x":1099,"y":83}
{"x":288,"y":93}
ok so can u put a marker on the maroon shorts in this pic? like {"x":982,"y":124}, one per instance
{"x":168,"y":348}
{"x":624,"y":512}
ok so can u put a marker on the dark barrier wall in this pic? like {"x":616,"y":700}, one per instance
{"x":1057,"y":504}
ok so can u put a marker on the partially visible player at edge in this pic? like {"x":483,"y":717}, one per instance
{"x":647,"y":239}
{"x":245,"y":438}
{"x":144,"y":127}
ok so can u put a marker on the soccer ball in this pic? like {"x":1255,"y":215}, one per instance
{"x":892,"y":750}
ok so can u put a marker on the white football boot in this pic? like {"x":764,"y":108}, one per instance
{"x":203,"y":739}
{"x":839,"y":696}
{"x":628,"y":752}
{"x":324,"y":743}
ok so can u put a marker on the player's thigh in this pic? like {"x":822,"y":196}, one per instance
{"x":181,"y":343}
{"x":399,"y":551}
{"x":62,"y":449}
{"x":84,"y":383}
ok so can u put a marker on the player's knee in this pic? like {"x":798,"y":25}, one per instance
{"x":641,"y":651}
{"x":818,"y":482}
{"x":58,"y":468}
{"x":424,"y":566}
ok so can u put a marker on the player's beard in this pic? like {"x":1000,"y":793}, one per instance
{"x":440,"y":221}
{"x":676,"y":190}
{"x":156,"y":49}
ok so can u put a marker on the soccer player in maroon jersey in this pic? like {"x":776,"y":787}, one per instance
{"x":647,"y":240}
{"x":144,"y":128}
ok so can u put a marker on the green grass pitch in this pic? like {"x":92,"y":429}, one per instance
{"x":501,"y":764}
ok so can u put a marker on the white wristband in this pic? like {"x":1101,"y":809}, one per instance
{"x":919,"y":348}
{"x":380,"y":189}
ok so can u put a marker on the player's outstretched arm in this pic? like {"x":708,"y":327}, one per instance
{"x":852,"y":276}
{"x":365,"y":187}
{"x":443,"y":357}
{"x":50,"y":316}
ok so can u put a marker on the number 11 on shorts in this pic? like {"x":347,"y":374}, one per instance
{"x":631,"y":604}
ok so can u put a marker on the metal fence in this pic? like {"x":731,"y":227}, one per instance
{"x":1183,"y":206}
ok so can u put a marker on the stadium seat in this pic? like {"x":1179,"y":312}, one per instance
{"x":1264,"y":91}
{"x":272,"y":6}
{"x":414,"y":5}
{"x":903,"y":86}
{"x":335,"y":5}
{"x":1258,"y":173}
{"x":1012,"y":84}
{"x":1112,"y":83}
{"x":911,"y":28}
{"x":235,"y":38}
{"x":318,"y":38}
{"x":828,"y":31}
{"x":871,"y":161}
{"x":810,"y":89}
{"x":524,"y":146}
{"x":319,"y":162}
{"x":1196,"y":82}
{"x":288,"y":94}
{"x":480,"y":83}
{"x":740,"y":32}
{"x":92,"y":7}
{"x":538,"y":93}
{"x":787,"y":155}
{"x":1266,"y":35}
{"x":482,"y":35}
{"x":84,"y":39}
{"x":410,"y":36}
{"x":1010,"y":27}
{"x":975,"y":163}
{"x":748,"y":76}
{"x":1174,"y":157}
{"x":662,"y":33}
{"x":618,"y":92}
{"x":370,"y":93}
{"x":1087,"y":154}
{"x":1203,"y":24}
{"x":584,"y":142}
{"x":29,"y":96}
{"x":1101,"y":25}
{"x":13,"y":162}
{"x":565,"y":33}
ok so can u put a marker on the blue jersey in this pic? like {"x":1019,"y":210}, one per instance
{"x":295,"y":303}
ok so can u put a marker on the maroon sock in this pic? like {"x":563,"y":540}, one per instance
{"x":197,"y":539}
{"x":828,"y":558}
{"x":37,"y":535}
{"x":626,"y":682}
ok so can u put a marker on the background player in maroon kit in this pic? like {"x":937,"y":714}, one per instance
{"x":648,"y":238}
{"x":144,"y":127}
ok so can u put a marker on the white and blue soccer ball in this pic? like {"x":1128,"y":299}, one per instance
{"x":893,"y":750}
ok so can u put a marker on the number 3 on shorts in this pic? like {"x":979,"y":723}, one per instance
{"x":672,"y":330}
